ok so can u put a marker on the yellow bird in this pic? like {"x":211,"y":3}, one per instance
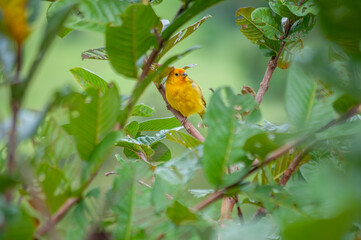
{"x":184,"y":94}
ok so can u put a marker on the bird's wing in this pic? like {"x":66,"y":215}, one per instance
{"x":198,"y":89}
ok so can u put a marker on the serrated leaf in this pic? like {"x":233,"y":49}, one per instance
{"x":161,"y":152}
{"x":93,"y":15}
{"x":178,"y":213}
{"x":183,"y":34}
{"x":267,"y":22}
{"x":249,"y":29}
{"x":182,"y":138}
{"x":86,"y":79}
{"x":96,"y":53}
{"x":132,"y":148}
{"x":159,"y":124}
{"x":132,"y":129}
{"x":127,"y":43}
{"x":93,"y":116}
{"x":121,"y":199}
{"x":223,"y":145}
{"x":142,"y":110}
{"x":289,"y":52}
{"x":255,"y":33}
{"x":301,"y":105}
{"x":301,"y":27}
{"x":308,"y":7}
{"x":280,"y":7}
{"x":55,"y":186}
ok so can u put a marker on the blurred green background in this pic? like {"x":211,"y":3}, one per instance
{"x":226,"y":57}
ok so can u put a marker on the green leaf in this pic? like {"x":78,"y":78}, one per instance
{"x":121,"y":198}
{"x":182,"y":138}
{"x":191,"y":11}
{"x":132,"y":129}
{"x":249,"y":29}
{"x":93,"y":15}
{"x":289,"y":52}
{"x":19,"y":219}
{"x":255,"y":33}
{"x":55,"y":185}
{"x":6,"y":182}
{"x":133,"y":147}
{"x":223,"y":145}
{"x":262,"y":144}
{"x":161,"y":152}
{"x":103,"y":148}
{"x":178,"y":213}
{"x":96,"y":54}
{"x":301,"y":105}
{"x":159,"y":124}
{"x":280,"y":7}
{"x":129,"y":42}
{"x":345,"y":103}
{"x":86,"y":79}
{"x":92,"y":117}
{"x":308,"y":7}
{"x":301,"y":27}
{"x":271,"y":27}
{"x":347,"y":129}
{"x":180,"y":36}
{"x":142,"y":110}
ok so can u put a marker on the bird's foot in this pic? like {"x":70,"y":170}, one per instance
{"x":183,"y":121}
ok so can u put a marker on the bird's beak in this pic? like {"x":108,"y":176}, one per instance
{"x":184,"y":74}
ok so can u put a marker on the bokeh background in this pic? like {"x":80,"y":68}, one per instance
{"x":226,"y":57}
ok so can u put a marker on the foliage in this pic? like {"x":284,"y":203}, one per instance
{"x":304,"y":172}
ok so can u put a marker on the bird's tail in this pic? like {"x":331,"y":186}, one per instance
{"x":201,"y":124}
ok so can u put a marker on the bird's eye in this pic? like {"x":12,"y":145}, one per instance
{"x":176,"y":74}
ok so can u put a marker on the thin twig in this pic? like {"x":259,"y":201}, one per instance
{"x":59,"y":215}
{"x":15,"y":107}
{"x":186,"y":124}
{"x":239,"y":211}
{"x":292,"y":167}
{"x":110,"y":173}
{"x":261,"y":212}
{"x":271,"y":66}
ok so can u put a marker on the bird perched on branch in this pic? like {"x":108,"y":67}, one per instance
{"x":184,"y":94}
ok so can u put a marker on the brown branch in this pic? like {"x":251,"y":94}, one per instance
{"x":59,"y":215}
{"x":292,"y":167}
{"x":261,"y":212}
{"x":239,"y":211}
{"x":271,"y":66}
{"x":226,"y":209}
{"x":15,"y":107}
{"x":186,"y":124}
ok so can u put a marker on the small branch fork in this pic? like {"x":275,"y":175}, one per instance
{"x":59,"y":215}
{"x":276,"y":154}
{"x":271,"y":66}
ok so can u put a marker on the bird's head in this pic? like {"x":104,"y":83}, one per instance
{"x":178,"y":74}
